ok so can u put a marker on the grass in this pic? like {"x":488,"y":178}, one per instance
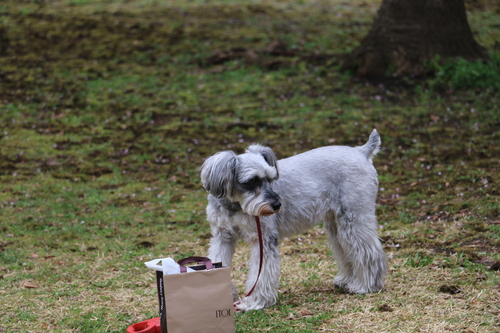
{"x":465,"y":74}
{"x":108,"y":108}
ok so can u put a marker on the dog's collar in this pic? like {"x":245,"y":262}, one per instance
{"x":231,"y":206}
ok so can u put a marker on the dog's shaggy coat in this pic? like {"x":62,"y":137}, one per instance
{"x":336,"y":185}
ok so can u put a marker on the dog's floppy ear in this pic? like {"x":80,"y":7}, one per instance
{"x":267,"y":153}
{"x":218,"y":174}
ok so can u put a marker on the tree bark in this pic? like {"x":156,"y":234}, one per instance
{"x":407,"y":33}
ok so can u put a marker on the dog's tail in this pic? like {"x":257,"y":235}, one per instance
{"x":372,"y":147}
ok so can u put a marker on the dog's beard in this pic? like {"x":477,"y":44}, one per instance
{"x":255,"y":205}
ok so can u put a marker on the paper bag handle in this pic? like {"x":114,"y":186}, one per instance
{"x":198,"y":260}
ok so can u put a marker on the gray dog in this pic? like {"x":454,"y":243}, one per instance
{"x":336,"y":185}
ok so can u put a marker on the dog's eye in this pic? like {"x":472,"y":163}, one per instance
{"x":253,"y":182}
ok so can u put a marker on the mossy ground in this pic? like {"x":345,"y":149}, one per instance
{"x":108,"y":108}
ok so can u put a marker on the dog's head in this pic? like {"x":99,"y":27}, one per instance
{"x":244,"y":178}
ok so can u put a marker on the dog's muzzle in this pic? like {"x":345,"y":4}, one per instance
{"x":270,"y":209}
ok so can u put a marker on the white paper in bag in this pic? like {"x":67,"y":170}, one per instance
{"x":168,"y":266}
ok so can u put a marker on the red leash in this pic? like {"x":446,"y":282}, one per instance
{"x":261,"y":252}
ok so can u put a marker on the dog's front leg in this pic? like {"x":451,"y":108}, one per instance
{"x":222,"y":245}
{"x":265,"y":293}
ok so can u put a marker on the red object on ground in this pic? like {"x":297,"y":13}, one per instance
{"x":148,"y":326}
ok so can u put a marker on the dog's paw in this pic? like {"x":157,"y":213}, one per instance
{"x":246,"y":304}
{"x":341,"y":289}
{"x":242,"y":305}
{"x":238,"y":306}
{"x":341,"y":282}
{"x":351,"y":288}
{"x":347,"y":286}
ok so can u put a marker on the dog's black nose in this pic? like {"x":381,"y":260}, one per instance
{"x":276,"y":206}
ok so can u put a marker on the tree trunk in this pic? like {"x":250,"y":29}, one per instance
{"x":407,"y":33}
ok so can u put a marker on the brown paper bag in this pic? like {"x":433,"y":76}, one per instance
{"x":199,"y":301}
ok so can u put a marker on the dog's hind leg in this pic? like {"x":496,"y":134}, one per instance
{"x":345,"y":272}
{"x":362,"y":253}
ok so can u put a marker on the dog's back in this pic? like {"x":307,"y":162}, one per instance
{"x":321,"y":161}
